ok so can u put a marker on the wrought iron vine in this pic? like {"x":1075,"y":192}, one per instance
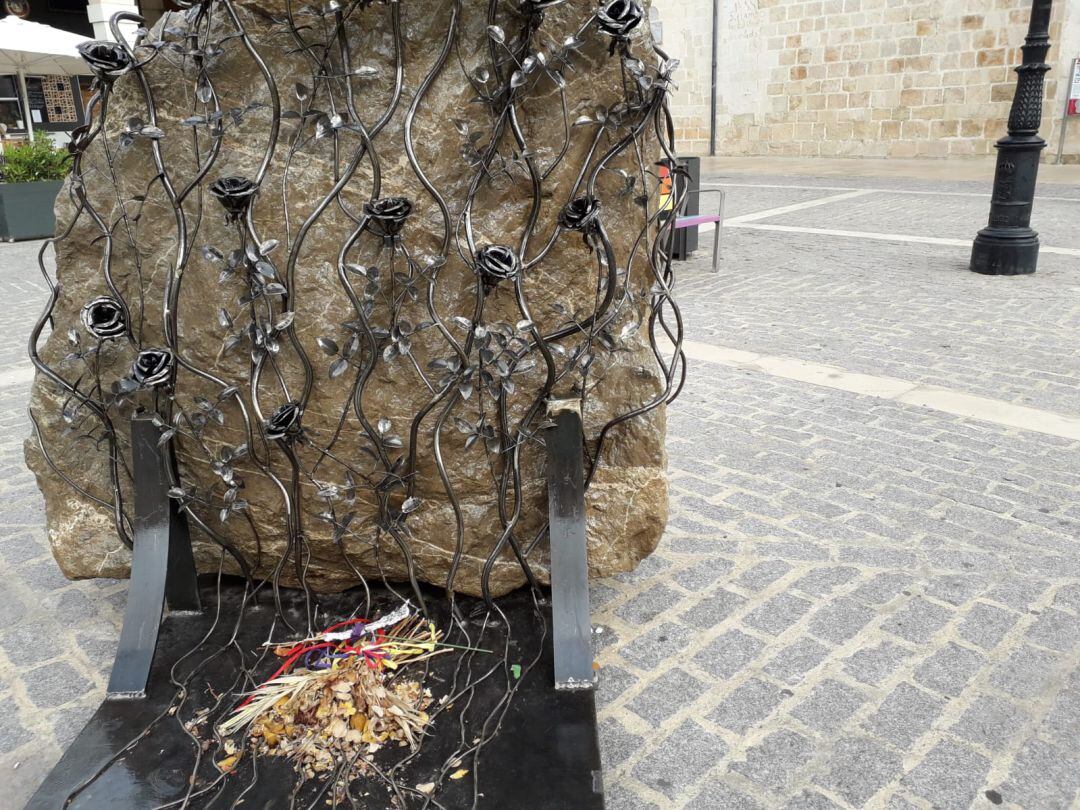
{"x":491,"y":368}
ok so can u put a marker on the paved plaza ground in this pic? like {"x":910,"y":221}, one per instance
{"x":869,"y":591}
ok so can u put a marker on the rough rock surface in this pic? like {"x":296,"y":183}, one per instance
{"x":627,"y":499}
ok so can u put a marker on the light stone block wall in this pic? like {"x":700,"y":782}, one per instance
{"x":860,"y":78}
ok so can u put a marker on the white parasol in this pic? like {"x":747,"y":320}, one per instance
{"x":40,"y":49}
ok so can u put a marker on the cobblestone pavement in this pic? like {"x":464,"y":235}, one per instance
{"x":858,"y":603}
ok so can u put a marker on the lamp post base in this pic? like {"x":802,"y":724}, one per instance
{"x":1005,"y":252}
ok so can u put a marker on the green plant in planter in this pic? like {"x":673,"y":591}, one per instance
{"x":30,"y":162}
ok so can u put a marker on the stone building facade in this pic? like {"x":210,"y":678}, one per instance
{"x":860,"y":78}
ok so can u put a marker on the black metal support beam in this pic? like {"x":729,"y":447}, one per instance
{"x":1008,"y":246}
{"x":162,"y":564}
{"x":572,"y":628}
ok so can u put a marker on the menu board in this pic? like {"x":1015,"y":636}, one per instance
{"x":35,"y":94}
{"x":1074,"y":90}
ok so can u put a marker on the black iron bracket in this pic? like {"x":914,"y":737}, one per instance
{"x":572,"y":628}
{"x":162,"y":564}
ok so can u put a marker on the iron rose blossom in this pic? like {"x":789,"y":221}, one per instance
{"x":234,"y":194}
{"x":387,"y":216}
{"x":580,"y":214}
{"x":152,"y":367}
{"x":617,"y":18}
{"x":107,"y":59}
{"x":285,"y":421}
{"x":104,"y":318}
{"x":497,"y":263}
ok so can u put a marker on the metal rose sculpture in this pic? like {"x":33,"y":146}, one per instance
{"x":346,"y":255}
{"x":410,"y":276}
{"x":104,"y":318}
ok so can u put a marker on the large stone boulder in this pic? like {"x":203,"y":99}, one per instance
{"x":421,"y":386}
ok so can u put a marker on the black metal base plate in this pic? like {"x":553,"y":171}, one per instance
{"x":545,"y":754}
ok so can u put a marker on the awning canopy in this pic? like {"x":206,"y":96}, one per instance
{"x":30,"y":47}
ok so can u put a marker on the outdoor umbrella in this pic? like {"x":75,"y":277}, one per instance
{"x":41,"y":49}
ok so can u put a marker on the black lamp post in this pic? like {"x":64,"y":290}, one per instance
{"x":1008,"y":246}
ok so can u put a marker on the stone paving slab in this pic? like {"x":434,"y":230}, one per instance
{"x":1057,"y":222}
{"x":903,"y":310}
{"x":944,"y":182}
{"x":857,"y":603}
{"x":24,"y":293}
{"x":745,"y":200}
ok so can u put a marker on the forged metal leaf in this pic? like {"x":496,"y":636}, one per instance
{"x":497,"y":34}
{"x":302,"y":93}
{"x":365,"y":71}
{"x":338,"y":367}
{"x":410,"y":505}
{"x":225,"y":319}
{"x":204,"y":92}
{"x":383,"y":426}
{"x":285,"y":321}
{"x":328,"y":345}
{"x":152,"y":132}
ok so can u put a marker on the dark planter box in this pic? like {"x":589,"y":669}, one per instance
{"x":26,"y":209}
